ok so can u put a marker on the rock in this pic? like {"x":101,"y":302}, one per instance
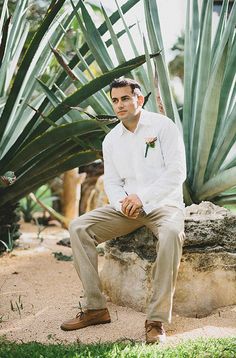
{"x":207,"y":274}
{"x":64,"y":242}
{"x":97,"y":197}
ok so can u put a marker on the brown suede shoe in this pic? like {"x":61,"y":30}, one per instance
{"x":87,"y":318}
{"x":155,"y":332}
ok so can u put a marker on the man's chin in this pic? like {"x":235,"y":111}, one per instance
{"x":122,"y":118}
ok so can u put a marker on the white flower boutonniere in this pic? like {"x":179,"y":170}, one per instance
{"x":150,"y":143}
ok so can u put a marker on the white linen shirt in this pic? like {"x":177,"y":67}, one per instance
{"x":158,"y":178}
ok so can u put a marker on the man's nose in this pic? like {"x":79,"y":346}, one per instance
{"x":120,"y":104}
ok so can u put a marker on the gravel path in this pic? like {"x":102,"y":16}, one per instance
{"x":38,"y":292}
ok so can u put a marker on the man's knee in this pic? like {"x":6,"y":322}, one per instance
{"x":173,"y":233}
{"x":76,"y":225}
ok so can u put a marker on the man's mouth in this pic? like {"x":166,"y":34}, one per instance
{"x":121,"y":112}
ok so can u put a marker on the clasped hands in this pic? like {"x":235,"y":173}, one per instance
{"x":131,"y":206}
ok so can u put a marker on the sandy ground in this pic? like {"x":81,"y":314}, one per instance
{"x":38,"y":292}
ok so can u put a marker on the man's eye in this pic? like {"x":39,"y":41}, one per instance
{"x":125,"y":99}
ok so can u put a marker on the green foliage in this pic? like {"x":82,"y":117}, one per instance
{"x":9,"y":226}
{"x":43,"y":132}
{"x":217,"y":348}
{"x":209,"y":113}
{"x":28,"y":206}
{"x":44,"y":129}
{"x":61,"y":257}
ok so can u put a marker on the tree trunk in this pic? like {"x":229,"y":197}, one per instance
{"x":71,"y":193}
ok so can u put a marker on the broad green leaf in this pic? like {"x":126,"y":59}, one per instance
{"x":188,"y":64}
{"x":208,"y":121}
{"x":226,"y":201}
{"x":29,"y":86}
{"x":161,"y":67}
{"x":93,"y":39}
{"x":216,"y":185}
{"x":227,"y":91}
{"x":194,"y":28}
{"x":117,"y":48}
{"x":47,"y":158}
{"x":84,"y":49}
{"x":223,"y":145}
{"x":102,"y":30}
{"x":202,"y":78}
{"x":4,"y":40}
{"x":47,"y":139}
{"x":55,"y":101}
{"x":229,"y":164}
{"x":230,"y":25}
{"x":17,"y":127}
{"x":140,"y":74}
{"x":16,"y":56}
{"x":155,"y":28}
{"x":151,"y":77}
{"x":41,"y":57}
{"x":102,"y":103}
{"x":221,"y":26}
{"x":61,"y":79}
{"x":92,"y":87}
{"x":14,"y":193}
{"x":3,"y":14}
{"x":25,"y":64}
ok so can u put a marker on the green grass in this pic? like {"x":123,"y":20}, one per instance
{"x":215,"y":348}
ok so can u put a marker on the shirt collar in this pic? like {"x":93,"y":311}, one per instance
{"x":143,"y":121}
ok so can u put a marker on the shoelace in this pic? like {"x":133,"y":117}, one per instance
{"x":155,"y":325}
{"x":81,"y":312}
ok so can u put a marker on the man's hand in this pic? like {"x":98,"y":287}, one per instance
{"x":131,"y":206}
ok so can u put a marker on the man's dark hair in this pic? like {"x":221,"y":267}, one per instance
{"x":123,"y":82}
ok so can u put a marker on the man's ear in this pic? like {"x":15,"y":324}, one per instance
{"x":140,"y":100}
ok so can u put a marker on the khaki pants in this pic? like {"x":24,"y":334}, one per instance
{"x":105,"y":223}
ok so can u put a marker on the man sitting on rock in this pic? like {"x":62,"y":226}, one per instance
{"x":144,"y":170}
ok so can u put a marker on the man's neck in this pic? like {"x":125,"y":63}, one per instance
{"x":131,"y":124}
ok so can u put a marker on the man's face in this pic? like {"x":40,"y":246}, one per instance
{"x":126,"y":104}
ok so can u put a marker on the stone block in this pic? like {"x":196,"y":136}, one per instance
{"x":207,"y":274}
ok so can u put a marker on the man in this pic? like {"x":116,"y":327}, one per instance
{"x":144,"y":170}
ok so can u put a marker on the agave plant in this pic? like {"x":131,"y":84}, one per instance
{"x":44,"y":130}
{"x":209,"y":112}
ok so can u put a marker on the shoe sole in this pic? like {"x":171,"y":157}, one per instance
{"x":91,"y":323}
{"x":157,"y":341}
{"x":152,"y":342}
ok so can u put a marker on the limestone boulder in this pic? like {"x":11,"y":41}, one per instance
{"x":207,"y":275}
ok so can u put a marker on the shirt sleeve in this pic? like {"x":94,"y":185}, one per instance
{"x":113,"y":184}
{"x":174,"y":171}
